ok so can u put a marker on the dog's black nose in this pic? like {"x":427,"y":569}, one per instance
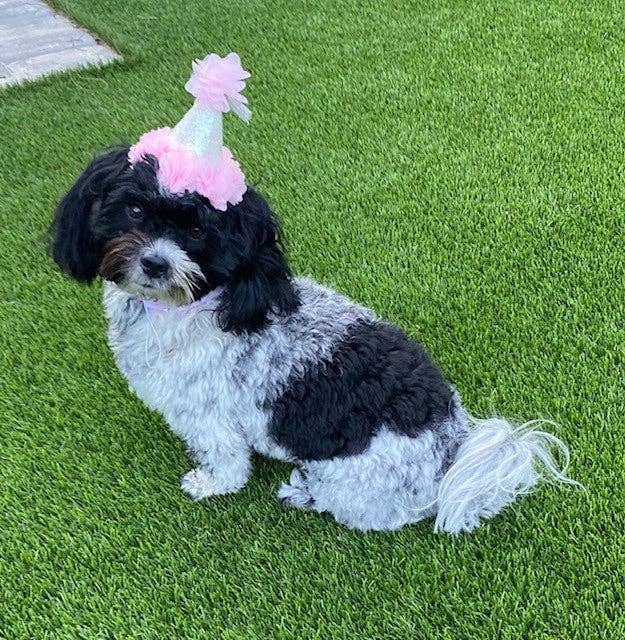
{"x":154,"y":266}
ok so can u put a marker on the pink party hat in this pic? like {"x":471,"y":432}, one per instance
{"x":191,"y":156}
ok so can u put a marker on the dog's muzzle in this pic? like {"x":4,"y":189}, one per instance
{"x":154,"y":268}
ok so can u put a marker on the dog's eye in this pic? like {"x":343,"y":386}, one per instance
{"x":135,"y":212}
{"x":196,"y":233}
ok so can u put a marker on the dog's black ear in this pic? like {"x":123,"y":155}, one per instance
{"x":258,"y":276}
{"x":72,"y":243}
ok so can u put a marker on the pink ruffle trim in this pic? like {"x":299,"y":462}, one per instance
{"x":180,"y":170}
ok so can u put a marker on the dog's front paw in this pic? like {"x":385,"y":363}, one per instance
{"x":200,"y":483}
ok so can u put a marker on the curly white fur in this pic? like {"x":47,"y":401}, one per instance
{"x":216,"y":390}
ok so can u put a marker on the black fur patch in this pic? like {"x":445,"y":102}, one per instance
{"x":377,"y":376}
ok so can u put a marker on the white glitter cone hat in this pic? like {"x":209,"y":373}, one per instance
{"x":191,"y":156}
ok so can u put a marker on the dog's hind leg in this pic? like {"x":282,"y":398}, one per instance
{"x":392,"y":483}
{"x":296,"y":493}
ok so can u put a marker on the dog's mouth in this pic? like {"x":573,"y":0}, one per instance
{"x":151,"y":268}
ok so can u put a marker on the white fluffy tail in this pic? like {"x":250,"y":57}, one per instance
{"x":495,"y":464}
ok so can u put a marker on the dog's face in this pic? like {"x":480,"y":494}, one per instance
{"x":115,"y":222}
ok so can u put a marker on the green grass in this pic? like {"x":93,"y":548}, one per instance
{"x":458,"y":166}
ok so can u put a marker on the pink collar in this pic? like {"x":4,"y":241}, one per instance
{"x":151,"y":335}
{"x":152,"y":305}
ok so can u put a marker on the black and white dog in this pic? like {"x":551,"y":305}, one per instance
{"x":211,"y":330}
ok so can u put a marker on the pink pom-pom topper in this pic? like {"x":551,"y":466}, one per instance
{"x":216,"y":84}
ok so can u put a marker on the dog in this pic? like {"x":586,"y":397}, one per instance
{"x":212,"y":330}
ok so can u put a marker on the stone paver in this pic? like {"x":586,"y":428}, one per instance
{"x":36,"y":41}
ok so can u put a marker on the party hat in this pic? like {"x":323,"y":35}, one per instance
{"x":191,"y":156}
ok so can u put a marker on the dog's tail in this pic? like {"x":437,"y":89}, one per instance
{"x":493,"y":465}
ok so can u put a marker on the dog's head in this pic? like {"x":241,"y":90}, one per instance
{"x":115,"y":222}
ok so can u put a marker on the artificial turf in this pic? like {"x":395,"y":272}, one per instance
{"x":458,"y":166}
